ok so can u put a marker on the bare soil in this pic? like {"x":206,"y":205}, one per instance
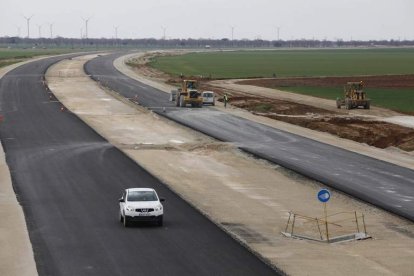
{"x":140,"y":64}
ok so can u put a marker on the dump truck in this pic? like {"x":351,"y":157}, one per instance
{"x":354,"y":96}
{"x":187,"y":94}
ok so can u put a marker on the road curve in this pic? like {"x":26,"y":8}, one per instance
{"x":383,"y":184}
{"x":68,"y":180}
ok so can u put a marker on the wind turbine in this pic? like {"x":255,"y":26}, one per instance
{"x":164,"y":29}
{"x":28,"y":24}
{"x":86,"y":26}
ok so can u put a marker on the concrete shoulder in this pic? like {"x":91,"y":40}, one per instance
{"x":16,"y":254}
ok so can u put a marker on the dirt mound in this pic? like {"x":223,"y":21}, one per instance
{"x":378,"y":134}
{"x":260,"y":104}
{"x":385,"y":81}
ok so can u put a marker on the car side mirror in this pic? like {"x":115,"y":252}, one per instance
{"x":162,"y":199}
{"x":121,"y":200}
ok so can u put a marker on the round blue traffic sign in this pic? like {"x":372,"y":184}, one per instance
{"x":324,"y":195}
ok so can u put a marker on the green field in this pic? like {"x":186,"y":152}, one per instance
{"x":286,"y":63}
{"x":294,"y":63}
{"x":10,"y":56}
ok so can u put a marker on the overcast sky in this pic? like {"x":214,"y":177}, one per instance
{"x":319,"y":19}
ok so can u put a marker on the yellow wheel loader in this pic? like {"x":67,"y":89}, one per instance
{"x":354,"y":96}
{"x":187,"y":94}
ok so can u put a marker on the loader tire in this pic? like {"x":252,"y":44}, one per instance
{"x":182,"y":101}
{"x":347,"y":104}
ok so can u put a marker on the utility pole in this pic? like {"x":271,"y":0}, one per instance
{"x":116,"y":32}
{"x":232,"y":33}
{"x":278,"y":32}
{"x":40,"y":30}
{"x":86,"y":26}
{"x":51,"y":30}
{"x":28,"y":24}
{"x":116,"y":35}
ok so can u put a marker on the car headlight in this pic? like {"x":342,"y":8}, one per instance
{"x":130,"y":208}
{"x":158,"y":208}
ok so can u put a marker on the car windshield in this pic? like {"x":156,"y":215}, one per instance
{"x":142,"y":196}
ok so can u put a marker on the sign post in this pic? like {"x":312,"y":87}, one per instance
{"x":324,"y":195}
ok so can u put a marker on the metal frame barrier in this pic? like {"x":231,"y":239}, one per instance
{"x":337,"y":227}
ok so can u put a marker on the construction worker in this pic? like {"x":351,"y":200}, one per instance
{"x":225,"y":99}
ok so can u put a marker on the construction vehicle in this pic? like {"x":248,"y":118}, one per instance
{"x":354,"y":96}
{"x":187,"y":94}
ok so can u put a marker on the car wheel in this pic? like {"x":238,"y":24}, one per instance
{"x":126,"y":221}
{"x":121,"y":218}
{"x":160,"y":221}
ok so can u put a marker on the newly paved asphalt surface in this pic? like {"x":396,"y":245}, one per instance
{"x":380,"y":183}
{"x":68,"y":180}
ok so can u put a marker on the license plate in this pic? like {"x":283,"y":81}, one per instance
{"x":144,"y":214}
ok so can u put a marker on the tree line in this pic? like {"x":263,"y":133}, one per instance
{"x":193,"y":43}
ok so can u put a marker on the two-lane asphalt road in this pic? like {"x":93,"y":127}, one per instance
{"x":68,"y":180}
{"x":380,"y":183}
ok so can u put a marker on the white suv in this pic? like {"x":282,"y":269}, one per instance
{"x":140,"y":204}
{"x":209,"y":97}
